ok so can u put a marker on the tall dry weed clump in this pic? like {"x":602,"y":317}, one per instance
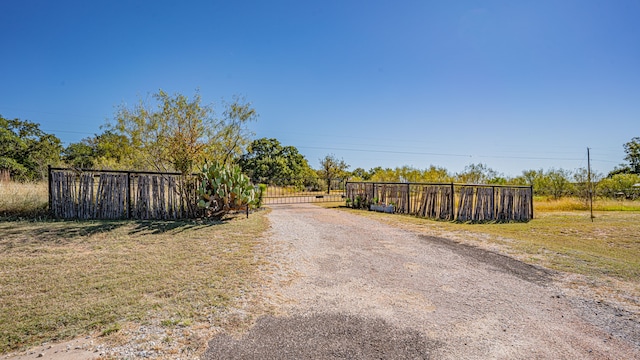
{"x":23,"y":200}
{"x":542,"y":203}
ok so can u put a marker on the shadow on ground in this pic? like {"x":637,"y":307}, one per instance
{"x":503,"y":263}
{"x":56,"y":232}
{"x":53,"y":232}
{"x":322,"y":336}
{"x":177,"y":226}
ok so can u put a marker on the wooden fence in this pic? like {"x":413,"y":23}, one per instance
{"x":459,"y":202}
{"x":96,"y":194}
{"x":5,"y":175}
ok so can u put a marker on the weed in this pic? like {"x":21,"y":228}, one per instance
{"x":23,"y":200}
{"x":111,"y":329}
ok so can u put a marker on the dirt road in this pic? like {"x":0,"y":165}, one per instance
{"x":351,"y":287}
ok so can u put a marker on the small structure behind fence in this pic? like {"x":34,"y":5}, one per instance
{"x":98,"y":194}
{"x":459,"y":202}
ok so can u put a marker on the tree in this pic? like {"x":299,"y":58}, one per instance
{"x":25,"y":150}
{"x":79,"y":155}
{"x":558,"y":182}
{"x":476,"y":174}
{"x":536,"y":179}
{"x":105,"y":151}
{"x":360,"y":174}
{"x":177,"y":133}
{"x":620,"y":185}
{"x":267,"y":161}
{"x":435,"y":174}
{"x":632,"y":149}
{"x":585,"y":183}
{"x":410,"y":174}
{"x":331,"y":168}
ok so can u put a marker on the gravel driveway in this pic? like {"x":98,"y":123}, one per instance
{"x":351,"y":287}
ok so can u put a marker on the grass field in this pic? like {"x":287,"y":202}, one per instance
{"x":63,"y":279}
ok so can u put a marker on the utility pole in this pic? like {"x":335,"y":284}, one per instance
{"x":590,"y":187}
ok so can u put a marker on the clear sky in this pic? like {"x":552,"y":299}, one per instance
{"x":515,"y":85}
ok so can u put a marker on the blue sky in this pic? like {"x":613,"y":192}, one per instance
{"x":515,"y":85}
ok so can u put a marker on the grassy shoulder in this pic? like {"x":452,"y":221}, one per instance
{"x":59,"y":280}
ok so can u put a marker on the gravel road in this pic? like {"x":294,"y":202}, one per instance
{"x":351,"y":287}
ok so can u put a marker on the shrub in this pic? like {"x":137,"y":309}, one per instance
{"x":224,"y":189}
{"x":262,"y":189}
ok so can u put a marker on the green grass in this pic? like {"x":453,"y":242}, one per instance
{"x":59,"y":280}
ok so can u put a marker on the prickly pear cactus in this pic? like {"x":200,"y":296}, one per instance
{"x":223,"y":188}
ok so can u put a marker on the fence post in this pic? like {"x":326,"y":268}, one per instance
{"x":49,"y":181}
{"x":494,"y":214}
{"x":453,"y":203}
{"x":408,"y":198}
{"x":128,"y":196}
{"x":374,"y":192}
{"x":531,"y":199}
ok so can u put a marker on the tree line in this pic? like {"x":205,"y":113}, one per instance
{"x":177,"y":133}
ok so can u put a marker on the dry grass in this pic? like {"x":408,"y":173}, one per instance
{"x":26,"y":200}
{"x":574,"y":204}
{"x":63,"y":279}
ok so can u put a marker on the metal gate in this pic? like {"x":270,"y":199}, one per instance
{"x":280,"y":192}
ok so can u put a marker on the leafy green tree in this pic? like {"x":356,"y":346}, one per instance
{"x":433,"y":174}
{"x":79,"y":155}
{"x":105,"y":151}
{"x":476,"y":174}
{"x":332,"y":168}
{"x":583,"y":185}
{"x":373,"y":171}
{"x":25,"y":150}
{"x":535,"y":178}
{"x":620,"y":184}
{"x":436,"y":174}
{"x":267,"y":161}
{"x":385,"y":175}
{"x":360,"y":174}
{"x":632,"y":149}
{"x":177,"y":133}
{"x":558,"y":182}
{"x":113,"y":151}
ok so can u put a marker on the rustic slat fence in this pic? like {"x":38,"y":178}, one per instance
{"x":5,"y":175}
{"x":96,"y":194}
{"x":459,"y":202}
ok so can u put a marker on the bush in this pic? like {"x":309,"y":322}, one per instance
{"x":262,"y":189}
{"x":223,"y":189}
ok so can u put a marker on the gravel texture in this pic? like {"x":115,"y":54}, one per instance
{"x":351,"y":287}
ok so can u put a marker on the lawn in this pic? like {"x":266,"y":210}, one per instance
{"x":59,"y":280}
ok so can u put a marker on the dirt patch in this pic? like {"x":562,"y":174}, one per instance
{"x":323,"y":336}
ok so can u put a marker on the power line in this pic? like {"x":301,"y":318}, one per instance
{"x":443,"y":154}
